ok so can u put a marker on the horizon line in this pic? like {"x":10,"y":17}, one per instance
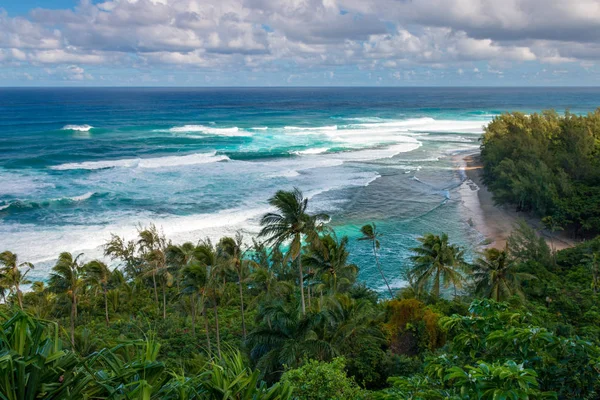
{"x":299,"y":87}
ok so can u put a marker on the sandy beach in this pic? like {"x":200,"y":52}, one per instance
{"x":496,"y":222}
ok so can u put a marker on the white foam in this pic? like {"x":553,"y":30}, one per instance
{"x":4,"y":206}
{"x":312,"y":128}
{"x":378,"y":153}
{"x":290,"y":173}
{"x":316,"y":150}
{"x":79,"y":128}
{"x":259,"y":128}
{"x":427,"y":124}
{"x":157,"y":162}
{"x":235,"y":131}
{"x":83,"y":197}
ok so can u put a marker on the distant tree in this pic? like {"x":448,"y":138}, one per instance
{"x":232,"y":249}
{"x":97,"y":275}
{"x":369,"y":233}
{"x":153,"y":247}
{"x":330,"y":260}
{"x":291,"y":223}
{"x":117,"y":248}
{"x":208,"y":256}
{"x":11,"y":275}
{"x":65,"y":280}
{"x":437,"y":263}
{"x":496,"y":275}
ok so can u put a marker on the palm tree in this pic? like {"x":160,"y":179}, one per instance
{"x":284,"y":337}
{"x":437,"y":262}
{"x":232,"y":250}
{"x":153,"y":247}
{"x":369,"y":232}
{"x":330,"y":260}
{"x":118,"y":249}
{"x":178,"y":257}
{"x":268,"y":285}
{"x":12,"y":275}
{"x":208,"y":256}
{"x":65,"y":279}
{"x":291,"y":223}
{"x":194,"y":283}
{"x":496,"y":276}
{"x":97,"y":275}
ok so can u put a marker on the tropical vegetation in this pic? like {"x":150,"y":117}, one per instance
{"x":285,"y":316}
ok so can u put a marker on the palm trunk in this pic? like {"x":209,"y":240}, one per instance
{"x":206,"y":329}
{"x":155,"y":289}
{"x":75,"y":302}
{"x":106,"y":307}
{"x":242,"y":308}
{"x":164,"y":301}
{"x":436,"y":285}
{"x":193,"y":306}
{"x":73,"y":316}
{"x":20,"y":297}
{"x":18,"y":289}
{"x":381,"y":271}
{"x":301,"y":284}
{"x":217,"y":330}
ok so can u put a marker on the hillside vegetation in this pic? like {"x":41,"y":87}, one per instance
{"x":547,"y":164}
{"x":286,"y":318}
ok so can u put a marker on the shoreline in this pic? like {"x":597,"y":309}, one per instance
{"x":496,"y":222}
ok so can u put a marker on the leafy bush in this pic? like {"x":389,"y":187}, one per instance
{"x":322,"y":381}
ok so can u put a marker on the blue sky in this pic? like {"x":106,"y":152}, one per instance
{"x":299,"y":42}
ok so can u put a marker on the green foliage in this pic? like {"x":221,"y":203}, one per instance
{"x":495,"y":334}
{"x":547,"y":164}
{"x":230,"y":379}
{"x":33,"y":363}
{"x":226,"y":320}
{"x":322,"y":381}
{"x":437,"y":263}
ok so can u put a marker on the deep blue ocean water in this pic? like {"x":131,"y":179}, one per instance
{"x":78,"y":164}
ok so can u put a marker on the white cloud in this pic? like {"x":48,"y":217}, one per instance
{"x":293,"y":35}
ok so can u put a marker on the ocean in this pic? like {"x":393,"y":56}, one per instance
{"x":77,"y":164}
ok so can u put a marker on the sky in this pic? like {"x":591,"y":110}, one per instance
{"x":300,"y":43}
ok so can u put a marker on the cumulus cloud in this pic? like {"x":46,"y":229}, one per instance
{"x":294,"y":35}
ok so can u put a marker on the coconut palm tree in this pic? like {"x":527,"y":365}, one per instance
{"x":194,"y":284}
{"x":231,"y":249}
{"x":369,"y":233}
{"x":178,"y":257}
{"x":216,"y":271}
{"x":284,"y":337}
{"x":330,"y":260}
{"x":496,"y":276}
{"x":97,"y":275}
{"x":291,"y":223}
{"x":65,"y":279}
{"x":153,"y":246}
{"x":437,"y":263}
{"x":12,"y":276}
{"x":268,"y":284}
{"x":117,"y":248}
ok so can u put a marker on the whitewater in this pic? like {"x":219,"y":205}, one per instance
{"x":202,"y":163}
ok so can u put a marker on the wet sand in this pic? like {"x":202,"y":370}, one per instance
{"x":495,"y":222}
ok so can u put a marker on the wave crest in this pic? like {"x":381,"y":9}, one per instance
{"x":235,"y":131}
{"x":79,"y":128}
{"x":157,"y":162}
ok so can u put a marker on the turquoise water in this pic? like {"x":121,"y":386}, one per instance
{"x":79,"y":164}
